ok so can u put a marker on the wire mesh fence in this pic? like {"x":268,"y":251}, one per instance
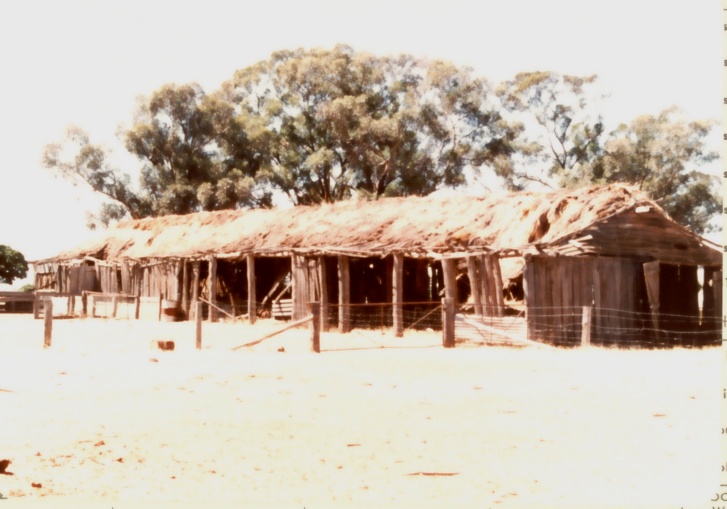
{"x":622,"y":328}
{"x":558,"y":326}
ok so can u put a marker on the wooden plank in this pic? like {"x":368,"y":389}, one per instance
{"x":344,"y":295}
{"x":586,"y":326}
{"x":125,"y":278}
{"x":498,"y":295}
{"x":301,"y":290}
{"x":529,"y":283}
{"x":474,"y":283}
{"x":717,"y":289}
{"x":488,"y":296}
{"x":565,"y":269}
{"x":251,"y":289}
{"x":397,"y":282}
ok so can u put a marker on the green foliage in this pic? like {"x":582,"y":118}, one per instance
{"x":664,"y":156}
{"x":559,"y":131}
{"x":325,"y":125}
{"x":12,"y":265}
{"x":340,"y":123}
{"x":27,"y":288}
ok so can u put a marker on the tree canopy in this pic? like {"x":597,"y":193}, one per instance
{"x":12,"y":265}
{"x":318,"y":126}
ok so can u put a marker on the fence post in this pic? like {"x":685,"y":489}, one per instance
{"x":586,"y":326}
{"x":137,"y":306}
{"x":36,"y":306}
{"x":198,"y":319}
{"x":448,"y":322}
{"x":48,"y":322}
{"x":315,"y":326}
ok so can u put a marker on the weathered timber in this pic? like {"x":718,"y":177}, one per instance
{"x":344,"y":295}
{"x":212,"y":286}
{"x":448,"y":324}
{"x":398,"y":294}
{"x":474,"y":283}
{"x":195,"y":286}
{"x":296,"y":323}
{"x":185,"y":287}
{"x":586,"y":326}
{"x":323,"y":298}
{"x":449,"y":268}
{"x":251,"y":290}
{"x":48,"y":323}
{"x":651,"y":276}
{"x":315,"y":326}
{"x":198,"y":328}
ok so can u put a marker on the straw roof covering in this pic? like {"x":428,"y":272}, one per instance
{"x":511,"y":224}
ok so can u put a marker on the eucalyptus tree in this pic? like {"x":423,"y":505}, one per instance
{"x":339,"y":123}
{"x":194,"y":156}
{"x":561,"y":128}
{"x":668,"y":158}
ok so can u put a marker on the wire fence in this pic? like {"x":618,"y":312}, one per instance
{"x":558,"y":326}
{"x":622,"y":328}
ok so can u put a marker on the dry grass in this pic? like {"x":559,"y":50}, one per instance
{"x":415,"y":225}
{"x":364,"y":424}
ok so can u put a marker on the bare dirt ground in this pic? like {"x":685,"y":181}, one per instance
{"x":100,"y":420}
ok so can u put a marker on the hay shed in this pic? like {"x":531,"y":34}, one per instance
{"x":547,"y":254}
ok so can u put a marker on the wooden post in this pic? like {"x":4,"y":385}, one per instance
{"x":474,"y":283}
{"x":251,"y":290}
{"x":398,"y":294}
{"x":497,"y":276}
{"x":185,"y":288}
{"x":301,"y":287}
{"x":324,"y":293}
{"x":194,"y":299}
{"x":198,"y":320}
{"x":137,"y":302}
{"x":344,"y":295}
{"x":651,"y":277}
{"x":161,"y":298}
{"x":84,"y":304}
{"x":485,"y":291}
{"x":448,"y":322}
{"x":114,"y":305}
{"x":36,"y":306}
{"x":586,"y":326}
{"x":48,"y":322}
{"x":212,"y":285}
{"x":315,"y":326}
{"x":93,"y":306}
{"x":449,"y":267}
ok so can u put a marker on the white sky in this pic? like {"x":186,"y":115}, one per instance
{"x":84,"y":63}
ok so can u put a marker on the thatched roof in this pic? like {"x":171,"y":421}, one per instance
{"x":511,"y":224}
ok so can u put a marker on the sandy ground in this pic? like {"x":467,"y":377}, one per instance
{"x":101,"y":419}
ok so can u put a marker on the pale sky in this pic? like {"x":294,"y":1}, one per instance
{"x":84,"y":62}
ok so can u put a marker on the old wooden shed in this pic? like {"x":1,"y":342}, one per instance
{"x":609,"y":248}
